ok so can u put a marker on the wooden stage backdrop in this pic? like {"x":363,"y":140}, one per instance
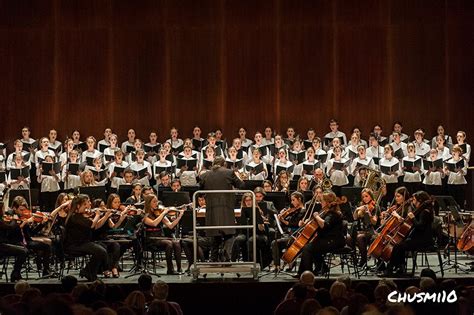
{"x":154,"y":64}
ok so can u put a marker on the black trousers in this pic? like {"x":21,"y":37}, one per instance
{"x":204,"y":247}
{"x":113,"y":253}
{"x":277,"y":248}
{"x":314,"y":253}
{"x":169,"y":246}
{"x":397,"y":259}
{"x":43,"y":254}
{"x":240,"y":247}
{"x":264,"y":254}
{"x":19,"y":252}
{"x":99,"y":258}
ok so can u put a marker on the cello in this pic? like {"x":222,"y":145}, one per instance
{"x":305,"y":235}
{"x":466,"y":241}
{"x":393,"y":233}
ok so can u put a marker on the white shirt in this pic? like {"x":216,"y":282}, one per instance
{"x":402,"y":146}
{"x":115,"y":180}
{"x":457,"y":178}
{"x":421,"y":149}
{"x":337,"y":134}
{"x":338,"y":178}
{"x":72,"y":181}
{"x":11,"y":161}
{"x":390,"y":179}
{"x":135,"y":166}
{"x":48,"y":183}
{"x":433,"y":178}
{"x":414,"y":177}
{"x":40,"y":155}
{"x":260,"y":176}
{"x":90,"y":154}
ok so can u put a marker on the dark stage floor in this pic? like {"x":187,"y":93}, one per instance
{"x":232,"y":293}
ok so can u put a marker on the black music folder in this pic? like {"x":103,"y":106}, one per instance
{"x":339,"y":166}
{"x":47,"y":167}
{"x":118,"y":170}
{"x":30,"y":146}
{"x":452,"y":167}
{"x":280,"y":168}
{"x":399,"y":154}
{"x":321,"y":157}
{"x":309,"y":168}
{"x":177,"y":149}
{"x":102,"y":147}
{"x":190,"y":164}
{"x":17,"y":172}
{"x":438,"y":164}
{"x":152,"y":148}
{"x":26,"y":157}
{"x":297,"y":158}
{"x":408,"y":165}
{"x":389,"y":169}
{"x":352,"y":154}
{"x":376,"y":160}
{"x":99,"y":175}
{"x":90,"y":161}
{"x":328,"y":141}
{"x":236,"y":164}
{"x":255,"y":169}
{"x":166,"y":169}
{"x":73,"y":168}
{"x":3,"y":176}
{"x":129,"y":148}
{"x":109,"y":158}
{"x":80,"y":147}
{"x":206,"y":164}
{"x":198,"y":144}
{"x":140,"y":173}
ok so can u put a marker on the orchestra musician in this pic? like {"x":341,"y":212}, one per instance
{"x":366,"y":218}
{"x":420,"y":236}
{"x":290,"y":220}
{"x":282,"y":182}
{"x":330,"y":236}
{"x":78,"y":236}
{"x":154,"y":222}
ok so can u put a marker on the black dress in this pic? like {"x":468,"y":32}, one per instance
{"x":330,"y":237}
{"x":421,"y":236}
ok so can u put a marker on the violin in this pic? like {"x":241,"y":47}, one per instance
{"x":172,"y":211}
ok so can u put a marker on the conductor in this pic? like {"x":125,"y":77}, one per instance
{"x":220,"y":206}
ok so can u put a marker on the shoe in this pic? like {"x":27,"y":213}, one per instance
{"x":116,"y":275}
{"x":14,"y":277}
{"x":296,"y":276}
{"x":362,"y":263}
{"x":84,"y":274}
{"x":172,"y":272}
{"x":107,"y":274}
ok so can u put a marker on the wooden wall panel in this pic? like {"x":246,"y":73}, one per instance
{"x":225,"y":63}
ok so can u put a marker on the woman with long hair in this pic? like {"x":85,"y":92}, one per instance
{"x":330,"y":235}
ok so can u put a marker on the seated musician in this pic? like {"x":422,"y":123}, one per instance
{"x":244,"y":239}
{"x":290,"y":220}
{"x":115,"y":218}
{"x":420,"y":236}
{"x":10,"y":247}
{"x":26,"y":234}
{"x":366,"y":217}
{"x":282,"y":182}
{"x":155,"y":220}
{"x":204,"y":242}
{"x":78,"y":239}
{"x":136,"y":196}
{"x":330,"y":237}
{"x":269,"y":210}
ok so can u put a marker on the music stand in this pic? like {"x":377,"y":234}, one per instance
{"x":452,"y":209}
{"x":352,"y":194}
{"x":124,"y":191}
{"x":94,"y":192}
{"x":307,"y":195}
{"x":293,"y":184}
{"x":141,"y":237}
{"x":252,"y":184}
{"x":190,"y":189}
{"x":161,"y":189}
{"x":175,"y":198}
{"x":30,"y":195}
{"x":279,"y":199}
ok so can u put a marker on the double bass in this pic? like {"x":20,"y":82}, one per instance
{"x":305,"y":235}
